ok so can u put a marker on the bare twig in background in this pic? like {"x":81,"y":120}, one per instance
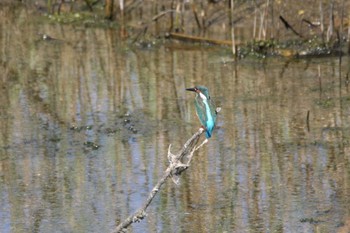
{"x":321,"y":18}
{"x":266,"y":14}
{"x":178,"y":24}
{"x":310,"y":24}
{"x":288,"y":26}
{"x":194,"y":10}
{"x":341,"y":27}
{"x":331,"y":23}
{"x":254,"y":23}
{"x":263,"y":22}
{"x":175,"y":168}
{"x":154,"y":18}
{"x":272,"y":16}
{"x":258,"y":30}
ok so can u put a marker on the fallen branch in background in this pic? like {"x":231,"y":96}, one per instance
{"x":176,"y":166}
{"x":189,"y":38}
{"x":154,"y":19}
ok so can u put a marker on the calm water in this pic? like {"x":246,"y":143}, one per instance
{"x":86,"y":122}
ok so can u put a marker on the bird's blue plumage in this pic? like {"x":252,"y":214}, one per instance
{"x":205,"y":109}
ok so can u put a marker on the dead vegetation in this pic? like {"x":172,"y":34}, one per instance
{"x":263,"y":27}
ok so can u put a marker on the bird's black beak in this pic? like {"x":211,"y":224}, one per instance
{"x":191,"y":89}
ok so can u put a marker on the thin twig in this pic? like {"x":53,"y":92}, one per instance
{"x":154,"y":18}
{"x":321,"y":18}
{"x":162,"y":14}
{"x":288,"y":26}
{"x":194,"y":10}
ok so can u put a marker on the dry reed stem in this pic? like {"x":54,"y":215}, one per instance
{"x":232,"y":29}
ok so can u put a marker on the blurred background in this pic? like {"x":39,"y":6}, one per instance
{"x":88,"y":112}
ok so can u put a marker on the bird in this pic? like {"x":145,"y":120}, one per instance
{"x":205,"y":109}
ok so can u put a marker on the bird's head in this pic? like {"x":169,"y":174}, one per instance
{"x":200,"y":90}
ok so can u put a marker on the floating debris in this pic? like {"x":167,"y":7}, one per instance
{"x":91,"y":145}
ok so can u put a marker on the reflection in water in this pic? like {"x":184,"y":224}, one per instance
{"x":86,"y":122}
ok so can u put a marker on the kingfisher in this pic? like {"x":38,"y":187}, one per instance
{"x":205,"y":109}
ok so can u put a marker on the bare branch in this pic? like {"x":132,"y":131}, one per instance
{"x":174,"y":170}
